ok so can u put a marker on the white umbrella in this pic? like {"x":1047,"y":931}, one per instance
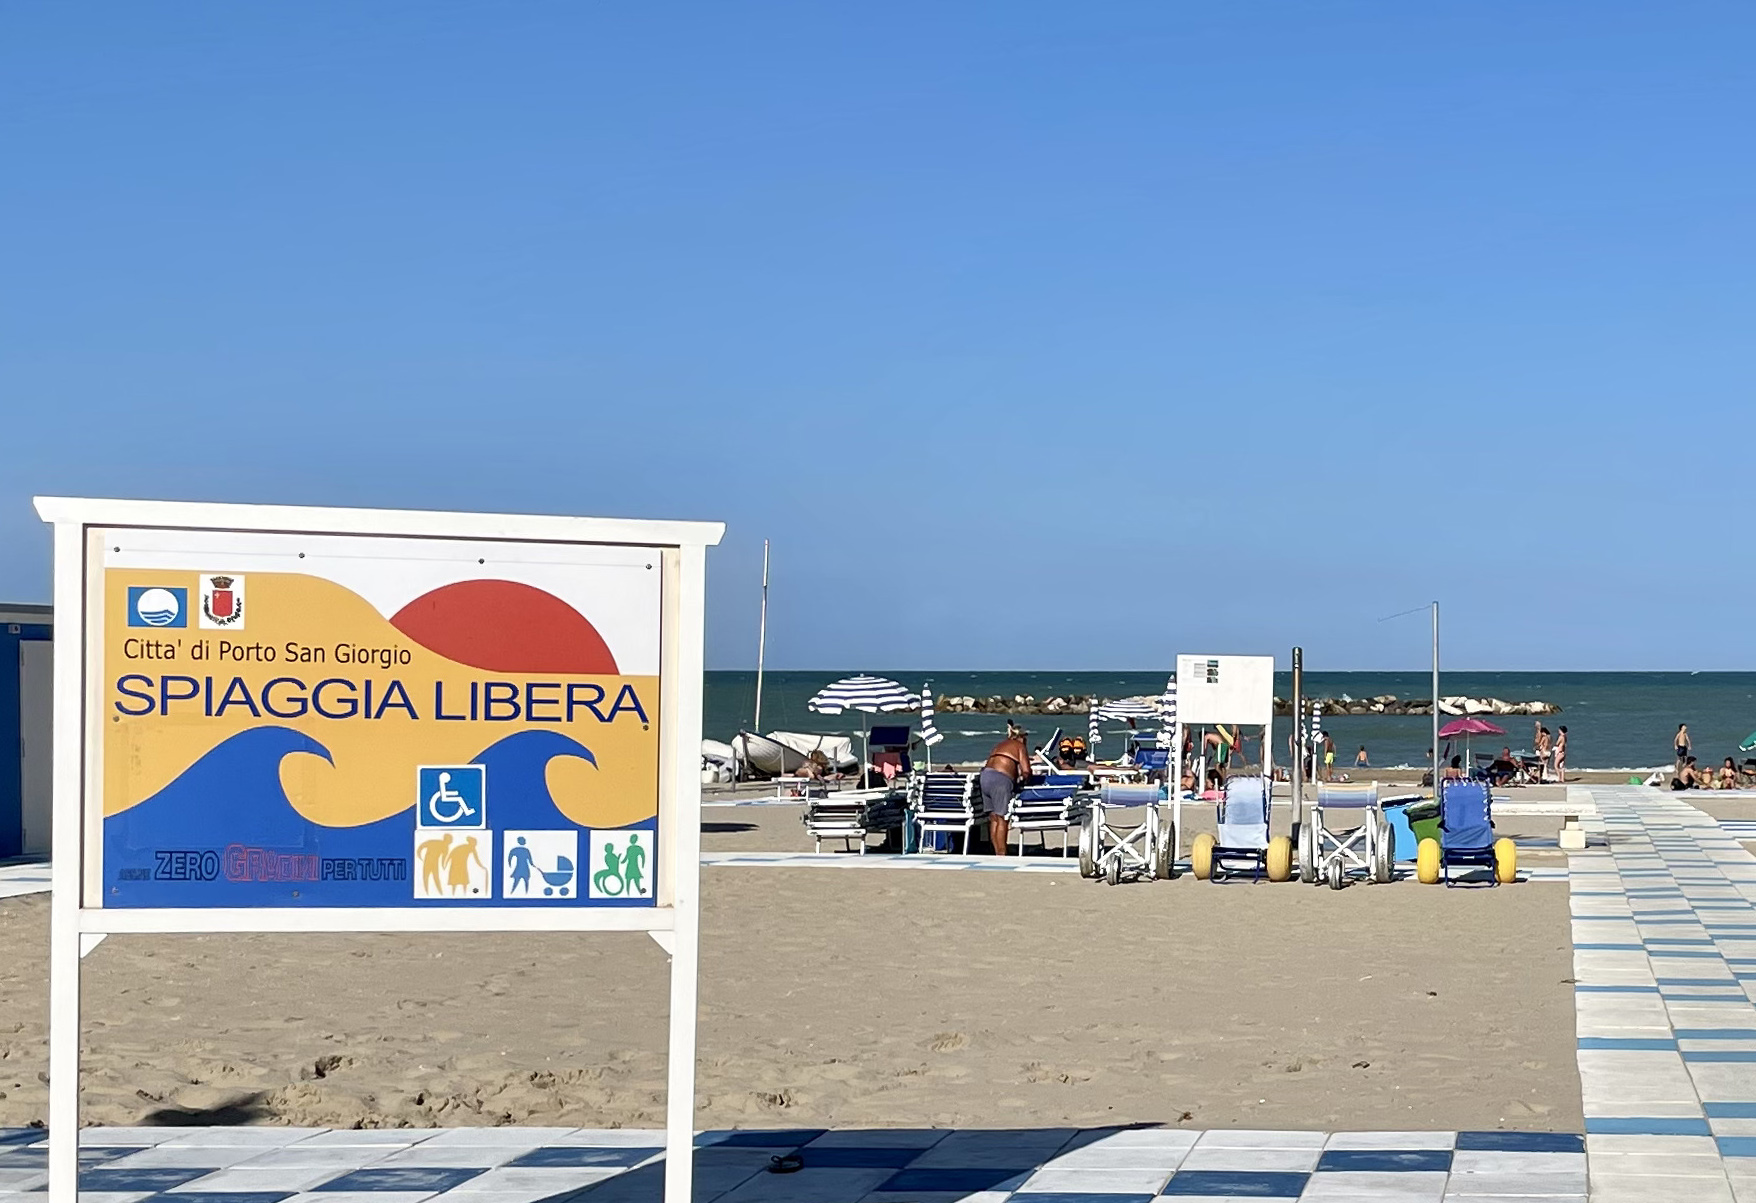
{"x":1167,"y":713}
{"x":865,"y":693}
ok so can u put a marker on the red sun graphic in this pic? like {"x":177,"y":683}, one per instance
{"x":505,"y":626}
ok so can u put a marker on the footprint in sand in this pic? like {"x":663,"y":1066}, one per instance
{"x":948,"y":1042}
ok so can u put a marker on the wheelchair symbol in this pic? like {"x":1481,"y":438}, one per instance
{"x":452,"y":796}
{"x":455,"y":808}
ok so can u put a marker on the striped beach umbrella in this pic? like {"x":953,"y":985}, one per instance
{"x":1119,"y":710}
{"x":929,"y":733}
{"x":1167,"y":713}
{"x":865,"y":693}
{"x":868,"y":695}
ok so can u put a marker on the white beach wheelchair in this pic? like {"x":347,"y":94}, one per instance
{"x":1110,"y":848}
{"x":1334,"y":856}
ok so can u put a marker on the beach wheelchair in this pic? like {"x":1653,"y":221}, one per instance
{"x":1243,"y":844}
{"x":1332,"y":856}
{"x":1466,"y":838}
{"x":1111,"y":848}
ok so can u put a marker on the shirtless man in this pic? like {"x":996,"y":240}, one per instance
{"x":1007,"y":767}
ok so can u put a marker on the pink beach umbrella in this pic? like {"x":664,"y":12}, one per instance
{"x":1467,"y":727}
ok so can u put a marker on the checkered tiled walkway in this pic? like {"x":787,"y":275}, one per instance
{"x":1664,"y":935}
{"x":1033,"y":1165}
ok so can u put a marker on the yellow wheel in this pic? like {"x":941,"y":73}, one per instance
{"x":1505,"y":860}
{"x":1280,"y":859}
{"x":1427,"y":861}
{"x":1201,"y":856}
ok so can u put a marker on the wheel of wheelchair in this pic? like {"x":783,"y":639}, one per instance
{"x":1280,"y":859}
{"x":1165,"y":855}
{"x":1201,"y":856}
{"x":1384,"y":864}
{"x":1427,"y":862}
{"x":1307,"y":852}
{"x":1087,"y":851}
{"x":1337,"y":878}
{"x":1113,"y":870}
{"x":1505,"y":860}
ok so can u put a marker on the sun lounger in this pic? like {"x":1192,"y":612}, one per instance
{"x":1466,"y":838}
{"x":945,"y":802}
{"x":1112,"y":849}
{"x":1244,"y":844}
{"x":852,"y":815}
{"x":1051,"y":805}
{"x":1332,"y":856}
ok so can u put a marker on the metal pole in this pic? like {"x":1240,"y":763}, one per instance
{"x":761,"y":640}
{"x":1298,"y":741}
{"x":1435,"y":699}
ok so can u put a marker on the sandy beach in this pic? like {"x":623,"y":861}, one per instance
{"x":851,"y":997}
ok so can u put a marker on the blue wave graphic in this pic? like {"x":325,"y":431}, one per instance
{"x":211,"y":836}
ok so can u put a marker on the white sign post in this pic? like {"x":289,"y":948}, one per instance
{"x":1222,"y":689}
{"x":292,"y":719}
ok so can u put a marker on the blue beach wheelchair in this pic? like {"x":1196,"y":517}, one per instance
{"x":1243,"y":846}
{"x":1466,"y":839}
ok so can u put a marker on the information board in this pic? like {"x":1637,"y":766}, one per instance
{"x":1225,"y":689}
{"x":329,"y":720}
{"x":305,"y":719}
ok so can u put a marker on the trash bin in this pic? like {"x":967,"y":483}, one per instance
{"x":1412,"y":821}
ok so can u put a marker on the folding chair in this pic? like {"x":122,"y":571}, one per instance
{"x":1332,"y":856}
{"x":1051,"y":805}
{"x":1243,"y":844}
{"x":1466,"y":839}
{"x":945,"y":802}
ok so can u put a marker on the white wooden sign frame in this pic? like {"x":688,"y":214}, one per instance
{"x":1197,"y":705}
{"x":75,"y":926}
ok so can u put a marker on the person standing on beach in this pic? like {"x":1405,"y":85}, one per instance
{"x":1561,"y":757}
{"x":1684,"y":748}
{"x":1542,"y":751}
{"x":1007,"y":767}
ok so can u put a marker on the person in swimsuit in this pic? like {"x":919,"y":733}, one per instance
{"x":1007,"y":767}
{"x":1541,"y":748}
{"x":1328,"y":756}
{"x":1728,"y":774}
{"x":1561,"y":757}
{"x":1683,"y":746}
{"x":1361,"y":760}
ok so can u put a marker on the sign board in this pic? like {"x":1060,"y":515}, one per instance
{"x":366,"y":721}
{"x":1225,"y":689}
{"x":294,"y":719}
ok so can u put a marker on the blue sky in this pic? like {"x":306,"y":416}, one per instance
{"x":1034,"y":335}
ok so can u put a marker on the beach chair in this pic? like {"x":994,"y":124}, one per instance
{"x":1111,"y":848}
{"x":1051,"y":805}
{"x":1466,"y":839}
{"x":1243,"y":844}
{"x":1333,"y":856}
{"x":852,"y":815}
{"x":944,"y":802}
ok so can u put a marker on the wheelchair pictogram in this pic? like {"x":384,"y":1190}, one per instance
{"x":452,"y":796}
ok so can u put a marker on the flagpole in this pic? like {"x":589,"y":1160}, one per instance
{"x":761,"y":640}
{"x":1436,"y":699}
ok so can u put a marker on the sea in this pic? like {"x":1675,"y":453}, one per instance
{"x":1615,"y":721}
